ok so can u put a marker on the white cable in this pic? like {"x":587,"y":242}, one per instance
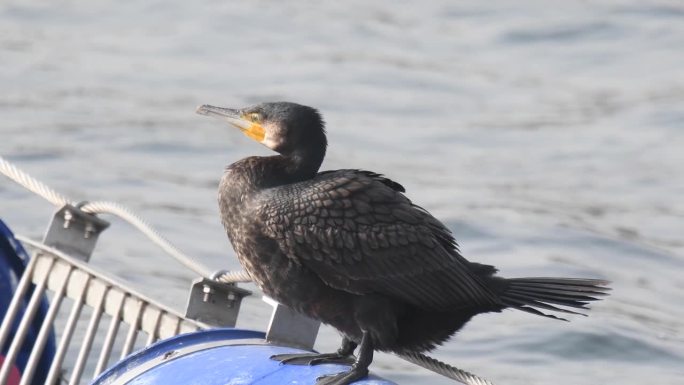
{"x":140,"y":224}
{"x":232,"y":276}
{"x":444,"y":369}
{"x":31,"y":183}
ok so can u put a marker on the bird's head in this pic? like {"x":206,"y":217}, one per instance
{"x":284,"y":127}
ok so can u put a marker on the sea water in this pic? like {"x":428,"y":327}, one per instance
{"x":548,"y":136}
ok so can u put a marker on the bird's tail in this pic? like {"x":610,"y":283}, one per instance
{"x":531,"y":294}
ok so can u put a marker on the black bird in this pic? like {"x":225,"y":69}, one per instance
{"x":346,"y":247}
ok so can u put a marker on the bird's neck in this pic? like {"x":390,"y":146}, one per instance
{"x":301,"y":165}
{"x":278,"y":170}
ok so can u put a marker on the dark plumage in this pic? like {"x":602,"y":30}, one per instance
{"x":347,"y":247}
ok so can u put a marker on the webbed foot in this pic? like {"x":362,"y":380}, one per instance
{"x":342,"y":356}
{"x":344,"y":378}
{"x":314,"y":358}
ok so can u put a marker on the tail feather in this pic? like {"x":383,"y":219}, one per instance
{"x":531,"y":294}
{"x":568,"y":290}
{"x":561,"y":298}
{"x":526,"y":300}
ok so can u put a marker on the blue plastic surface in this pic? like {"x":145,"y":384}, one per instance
{"x":13,"y":259}
{"x":233,"y":364}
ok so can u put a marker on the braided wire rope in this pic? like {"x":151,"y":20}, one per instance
{"x":444,"y":369}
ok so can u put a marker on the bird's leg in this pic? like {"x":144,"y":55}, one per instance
{"x":343,"y":356}
{"x":358,"y":370}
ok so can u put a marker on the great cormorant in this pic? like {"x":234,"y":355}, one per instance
{"x":346,"y":247}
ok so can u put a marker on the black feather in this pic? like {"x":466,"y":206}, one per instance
{"x":346,"y":247}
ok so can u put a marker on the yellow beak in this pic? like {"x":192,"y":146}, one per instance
{"x":235,"y":117}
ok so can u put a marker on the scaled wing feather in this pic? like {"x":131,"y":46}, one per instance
{"x":359,"y":233}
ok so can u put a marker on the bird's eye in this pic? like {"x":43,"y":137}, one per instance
{"x":255,"y":117}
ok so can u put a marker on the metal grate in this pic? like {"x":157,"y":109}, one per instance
{"x":95,"y":319}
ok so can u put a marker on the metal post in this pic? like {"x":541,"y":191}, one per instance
{"x":152,"y":335}
{"x":55,"y":367}
{"x":132,"y":334}
{"x":46,"y":327}
{"x":110,"y":337}
{"x":89,"y":337}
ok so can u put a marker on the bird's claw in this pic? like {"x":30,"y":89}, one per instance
{"x":313,"y":359}
{"x":344,"y":378}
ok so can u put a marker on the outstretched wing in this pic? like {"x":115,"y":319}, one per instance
{"x":360,"y":234}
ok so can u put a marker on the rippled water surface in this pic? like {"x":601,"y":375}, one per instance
{"x":547,"y":135}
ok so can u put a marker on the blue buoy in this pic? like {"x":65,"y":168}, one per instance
{"x":217,"y":357}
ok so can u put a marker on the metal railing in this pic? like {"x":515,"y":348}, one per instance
{"x":104,"y":319}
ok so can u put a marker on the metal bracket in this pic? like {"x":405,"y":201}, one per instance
{"x":74,"y":232}
{"x":215,"y":303}
{"x":290,"y":328}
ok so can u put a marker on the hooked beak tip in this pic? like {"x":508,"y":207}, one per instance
{"x":202,"y":110}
